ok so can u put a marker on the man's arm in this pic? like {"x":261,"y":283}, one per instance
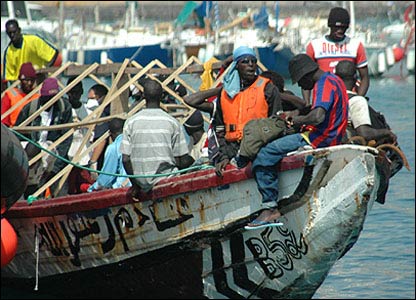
{"x":365,"y":81}
{"x":306,"y":94}
{"x":198,"y":99}
{"x":134,"y":190}
{"x":128,"y":167}
{"x":56,"y":60}
{"x":184,"y":161}
{"x":314,"y":117}
{"x":298,"y":102}
{"x":273,"y":99}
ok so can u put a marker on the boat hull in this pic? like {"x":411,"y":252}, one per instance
{"x":144,"y":55}
{"x":187,"y":240}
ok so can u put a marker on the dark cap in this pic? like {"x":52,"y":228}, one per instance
{"x":49,"y":87}
{"x":345,"y":69}
{"x":195,"y":120}
{"x":27,"y":71}
{"x":300,"y":65}
{"x":338,"y":16}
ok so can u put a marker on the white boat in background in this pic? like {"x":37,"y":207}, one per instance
{"x":100,"y":44}
{"x":97,"y":42}
{"x":254,"y":28}
{"x":393,"y":45}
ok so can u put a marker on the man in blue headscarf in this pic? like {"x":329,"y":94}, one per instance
{"x":245,"y":96}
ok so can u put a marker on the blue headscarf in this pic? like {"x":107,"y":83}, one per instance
{"x":243,"y":51}
{"x":231,"y":82}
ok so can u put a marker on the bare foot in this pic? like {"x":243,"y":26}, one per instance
{"x":134,"y":193}
{"x":267,"y":218}
{"x":269,"y":215}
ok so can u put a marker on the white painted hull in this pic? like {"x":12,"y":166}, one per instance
{"x":336,"y":187}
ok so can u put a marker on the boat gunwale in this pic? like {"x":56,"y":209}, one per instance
{"x":198,"y":180}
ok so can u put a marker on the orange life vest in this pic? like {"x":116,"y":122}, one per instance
{"x":246,"y":105}
{"x":15,"y":95}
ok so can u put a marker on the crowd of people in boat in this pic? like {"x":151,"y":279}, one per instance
{"x":332,"y":75}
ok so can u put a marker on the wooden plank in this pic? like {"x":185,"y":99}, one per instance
{"x":108,"y":69}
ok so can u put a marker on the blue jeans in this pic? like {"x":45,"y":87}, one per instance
{"x":264,"y":166}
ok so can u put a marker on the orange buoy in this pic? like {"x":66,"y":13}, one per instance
{"x":8,"y":242}
{"x":398,"y":53}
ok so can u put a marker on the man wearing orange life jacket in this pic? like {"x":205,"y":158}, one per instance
{"x":245,"y":96}
{"x":27,"y":77}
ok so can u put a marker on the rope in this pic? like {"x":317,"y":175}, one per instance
{"x":37,"y":261}
{"x":198,"y":167}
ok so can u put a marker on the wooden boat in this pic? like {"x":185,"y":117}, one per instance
{"x":186,"y":238}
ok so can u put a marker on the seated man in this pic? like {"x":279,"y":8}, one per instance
{"x":289,"y":100}
{"x":113,"y":163}
{"x":27,"y":77}
{"x":359,"y":110}
{"x":58,"y":113}
{"x":245,"y":96}
{"x":194,"y":127}
{"x":324,"y":125}
{"x":153,"y":142}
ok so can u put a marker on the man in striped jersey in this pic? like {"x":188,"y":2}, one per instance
{"x":153,"y":142}
{"x":325,"y":125}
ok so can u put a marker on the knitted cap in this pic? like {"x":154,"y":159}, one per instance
{"x":338,"y":16}
{"x":300,"y":65}
{"x":50,"y":87}
{"x":27,"y":71}
{"x":243,"y":51}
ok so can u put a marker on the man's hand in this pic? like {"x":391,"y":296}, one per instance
{"x":93,"y":165}
{"x":220,"y":167}
{"x":134,"y":192}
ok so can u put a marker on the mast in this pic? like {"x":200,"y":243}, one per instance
{"x":352,"y":16}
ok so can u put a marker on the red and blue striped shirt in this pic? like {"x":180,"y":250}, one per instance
{"x":330,"y":93}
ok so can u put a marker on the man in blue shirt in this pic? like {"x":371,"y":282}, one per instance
{"x":113,"y":163}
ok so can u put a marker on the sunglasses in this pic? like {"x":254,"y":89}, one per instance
{"x":248,"y":60}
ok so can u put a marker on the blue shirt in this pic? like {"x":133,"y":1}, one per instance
{"x":113,"y":164}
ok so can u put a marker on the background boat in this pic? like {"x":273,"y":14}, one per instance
{"x":174,"y":42}
{"x":90,"y":31}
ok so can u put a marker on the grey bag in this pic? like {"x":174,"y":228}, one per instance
{"x":259,"y":132}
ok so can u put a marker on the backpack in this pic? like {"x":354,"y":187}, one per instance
{"x":378,"y":121}
{"x":259,"y":132}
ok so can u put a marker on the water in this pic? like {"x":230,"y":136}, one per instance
{"x":381,"y":265}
